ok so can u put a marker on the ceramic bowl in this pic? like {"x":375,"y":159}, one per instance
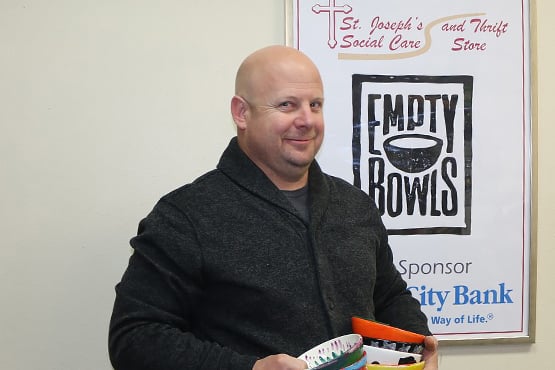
{"x":375,"y":355}
{"x":374,"y":329}
{"x":417,"y":348}
{"x":335,"y":354}
{"x":360,"y":364}
{"x":417,"y":366}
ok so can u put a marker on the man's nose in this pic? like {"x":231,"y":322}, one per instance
{"x":305,"y":116}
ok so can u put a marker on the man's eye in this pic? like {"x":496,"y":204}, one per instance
{"x":286,"y":106}
{"x":317,"y":105}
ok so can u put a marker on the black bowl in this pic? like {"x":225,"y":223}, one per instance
{"x":410,"y":155}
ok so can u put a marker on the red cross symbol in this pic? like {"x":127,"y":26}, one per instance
{"x":331,"y":9}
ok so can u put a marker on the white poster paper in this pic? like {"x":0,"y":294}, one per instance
{"x":427,"y":109}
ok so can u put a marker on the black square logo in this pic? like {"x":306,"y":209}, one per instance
{"x":412,"y":150}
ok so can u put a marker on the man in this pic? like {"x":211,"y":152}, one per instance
{"x":264,"y":257}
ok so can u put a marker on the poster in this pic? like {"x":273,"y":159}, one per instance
{"x":427,"y":109}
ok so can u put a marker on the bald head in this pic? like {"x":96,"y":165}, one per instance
{"x":271,"y":62}
{"x":277,"y":109}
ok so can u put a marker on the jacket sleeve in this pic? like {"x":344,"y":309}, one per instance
{"x":394,"y":304}
{"x":150,"y":327}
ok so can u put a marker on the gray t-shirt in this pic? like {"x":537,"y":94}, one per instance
{"x":299,"y":199}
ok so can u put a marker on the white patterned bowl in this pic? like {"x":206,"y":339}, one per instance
{"x":376,"y":355}
{"x":335,"y":354}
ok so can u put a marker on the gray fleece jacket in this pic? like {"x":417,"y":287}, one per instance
{"x":224,"y":271}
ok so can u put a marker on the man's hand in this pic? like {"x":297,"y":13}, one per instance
{"x":280,"y":362}
{"x":431,"y":353}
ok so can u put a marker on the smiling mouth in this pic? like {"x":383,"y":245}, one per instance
{"x":299,"y":143}
{"x":298,"y":140}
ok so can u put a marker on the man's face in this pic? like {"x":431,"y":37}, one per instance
{"x":284,"y":124}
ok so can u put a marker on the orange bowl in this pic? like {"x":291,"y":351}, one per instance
{"x":377,"y":330}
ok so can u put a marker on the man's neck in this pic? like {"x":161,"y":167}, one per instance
{"x":288,"y":184}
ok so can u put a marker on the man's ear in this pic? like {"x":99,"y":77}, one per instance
{"x":239,"y":111}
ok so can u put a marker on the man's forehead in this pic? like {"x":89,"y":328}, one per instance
{"x":299,"y":91}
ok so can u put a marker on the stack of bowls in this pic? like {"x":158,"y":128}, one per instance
{"x":388,"y":347}
{"x":341,"y":353}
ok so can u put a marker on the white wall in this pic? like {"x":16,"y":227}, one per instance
{"x":104,"y":106}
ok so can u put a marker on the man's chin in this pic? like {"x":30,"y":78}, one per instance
{"x":301,"y":162}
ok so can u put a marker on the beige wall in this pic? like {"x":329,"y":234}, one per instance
{"x":107,"y":104}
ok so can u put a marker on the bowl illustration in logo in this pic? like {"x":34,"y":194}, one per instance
{"x":413,"y":153}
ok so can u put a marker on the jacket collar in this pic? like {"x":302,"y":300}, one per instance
{"x":236,"y":165}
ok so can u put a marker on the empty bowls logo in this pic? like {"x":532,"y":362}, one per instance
{"x":412,"y":150}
